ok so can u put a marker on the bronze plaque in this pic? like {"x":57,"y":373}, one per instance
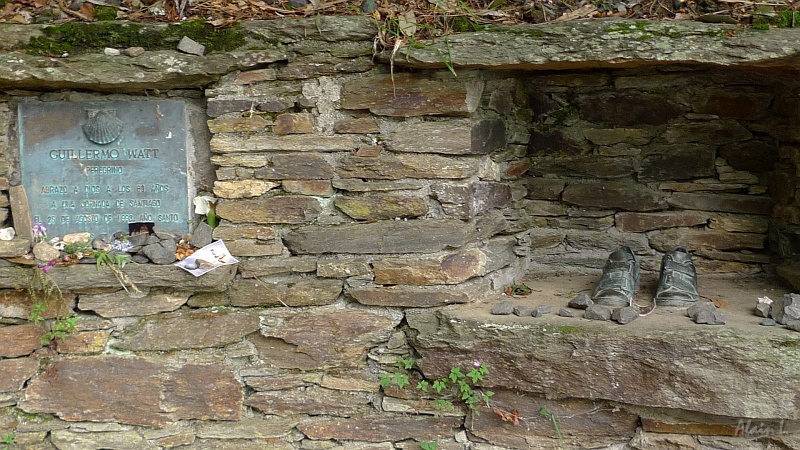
{"x":99,"y":167}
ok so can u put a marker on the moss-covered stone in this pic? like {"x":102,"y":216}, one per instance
{"x":77,"y":37}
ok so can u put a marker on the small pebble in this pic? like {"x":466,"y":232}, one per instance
{"x":582,"y":301}
{"x":503,"y":308}
{"x":564,"y":312}
{"x":768,"y":322}
{"x":133,"y":52}
{"x":597,"y":312}
{"x":625,"y":315}
{"x":108,"y":51}
{"x":523,"y":311}
{"x":541,"y":310}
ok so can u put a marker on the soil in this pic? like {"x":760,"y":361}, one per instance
{"x":427,"y":18}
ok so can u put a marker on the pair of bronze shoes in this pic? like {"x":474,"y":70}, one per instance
{"x":677,"y":285}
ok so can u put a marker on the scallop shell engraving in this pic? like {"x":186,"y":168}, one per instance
{"x":103,"y":126}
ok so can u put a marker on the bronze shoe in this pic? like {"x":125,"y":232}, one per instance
{"x":677,"y":285}
{"x":619,"y":281}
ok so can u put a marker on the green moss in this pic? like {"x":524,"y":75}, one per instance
{"x":105,"y":13}
{"x":520,"y":31}
{"x":569,"y":329}
{"x":789,"y":344}
{"x":636,"y":27}
{"x":77,"y":36}
{"x":464,"y":24}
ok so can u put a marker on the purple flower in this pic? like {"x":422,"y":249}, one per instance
{"x":476,"y":363}
{"x":39,"y":230}
{"x":47,"y":266}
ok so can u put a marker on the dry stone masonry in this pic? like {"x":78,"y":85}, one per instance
{"x":379,"y":204}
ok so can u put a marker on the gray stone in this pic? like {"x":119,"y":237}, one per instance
{"x":710,"y":317}
{"x":763,"y":307}
{"x":695,"y":309}
{"x":613,"y":195}
{"x":793,"y":325}
{"x":387,"y":236}
{"x":162,"y":253}
{"x":564,"y":312}
{"x":133,"y":52}
{"x":768,"y":322}
{"x":625,"y":315}
{"x":541,"y":310}
{"x":187,"y":45}
{"x":597,"y":312}
{"x":521,"y":310}
{"x":503,"y":308}
{"x":581,"y":301}
{"x":786,"y":308}
{"x":18,"y":199}
{"x":43,"y":251}
{"x":201,"y":236}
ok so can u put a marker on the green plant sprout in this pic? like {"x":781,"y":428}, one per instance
{"x":431,"y":445}
{"x":115,"y":263}
{"x":456,"y":386}
{"x":9,"y":439}
{"x":544,"y":412}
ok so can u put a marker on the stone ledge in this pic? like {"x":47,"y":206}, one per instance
{"x":587,"y":44}
{"x":740,"y":370}
{"x":87,"y":278}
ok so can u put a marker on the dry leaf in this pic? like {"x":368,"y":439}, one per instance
{"x":506,"y":416}
{"x":407,"y":23}
{"x":583,"y":11}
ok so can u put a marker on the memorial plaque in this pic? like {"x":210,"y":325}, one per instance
{"x":99,"y":167}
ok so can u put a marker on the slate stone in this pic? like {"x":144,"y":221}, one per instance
{"x":786,"y":308}
{"x":179,"y":330}
{"x":268,"y":266}
{"x":252,"y":247}
{"x":201,"y":236}
{"x":581,"y":301}
{"x":295,"y":167}
{"x":133,"y":390}
{"x":388,"y":236}
{"x":677,"y":162}
{"x":665,"y":240}
{"x":286,"y":143}
{"x":357,"y":126}
{"x":715,"y":132}
{"x":625,"y":315}
{"x":753,"y":155}
{"x":358,"y":185}
{"x":734,"y":203}
{"x":502,"y":308}
{"x":466,"y":201}
{"x":763,"y":307}
{"x":735,"y":104}
{"x":607,"y":427}
{"x":544,"y":188}
{"x":382,"y":206}
{"x":20,"y":340}
{"x":313,"y":401}
{"x":698,"y":307}
{"x":564,"y":312}
{"x":451,"y":268}
{"x":611,"y":136}
{"x":710,"y":317}
{"x":337,"y":267}
{"x":283,"y":209}
{"x":293,"y":123}
{"x":162,"y":252}
{"x":454,"y":137}
{"x":15,"y":247}
{"x":106,"y":439}
{"x":597,"y":312}
{"x":635,"y":222}
{"x":417,"y":296}
{"x":614,"y":195}
{"x":122,"y":304}
{"x":523,"y":311}
{"x":327,"y":337}
{"x":408,"y":96}
{"x":320,"y":188}
{"x":284,"y":291}
{"x":217,"y":107}
{"x":257,"y":232}
{"x":392,"y":427}
{"x":793,"y":325}
{"x":23,"y":224}
{"x":591,"y":166}
{"x":556,"y":142}
{"x":768,"y":322}
{"x":541,"y":310}
{"x":396,"y":167}
{"x":238,"y":125}
{"x":628,"y":108}
{"x":15,"y":372}
{"x":188,"y":45}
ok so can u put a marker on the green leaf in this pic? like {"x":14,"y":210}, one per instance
{"x":385,"y":379}
{"x":401,"y":379}
{"x":455,"y":374}
{"x":423,"y":386}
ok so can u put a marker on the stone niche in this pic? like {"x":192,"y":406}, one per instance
{"x":379,"y":205}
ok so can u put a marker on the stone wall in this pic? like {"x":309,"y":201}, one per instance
{"x":363,"y":202}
